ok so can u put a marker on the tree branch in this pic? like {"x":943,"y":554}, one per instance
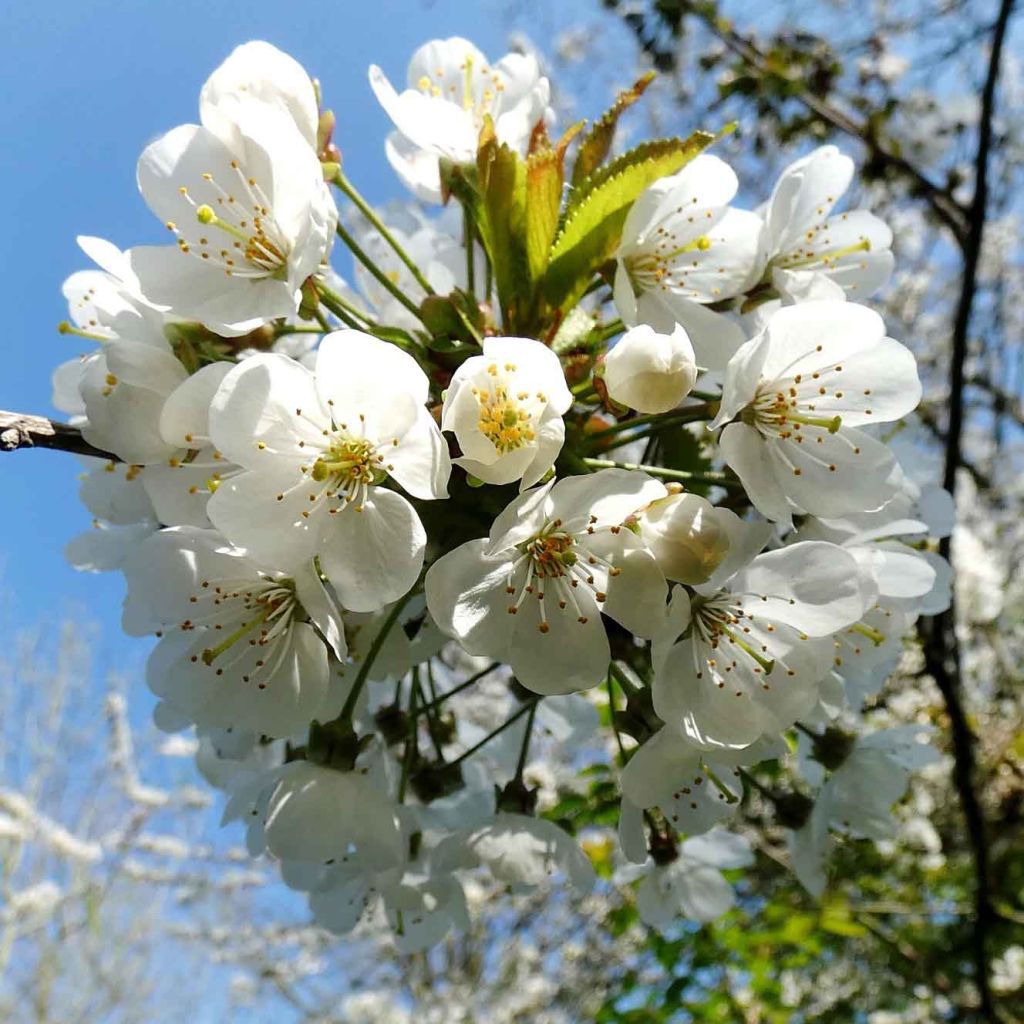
{"x":941,"y":648}
{"x":20,"y":430}
{"x":945,"y":206}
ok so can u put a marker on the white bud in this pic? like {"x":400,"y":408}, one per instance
{"x":650,"y":372}
{"x":687,"y":537}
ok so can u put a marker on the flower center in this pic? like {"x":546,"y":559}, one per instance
{"x":557,"y":563}
{"x":504,"y":418}
{"x":241,"y":236}
{"x":778,"y":412}
{"x":718,"y":622}
{"x":827,"y":257}
{"x":661,"y":265}
{"x":242,"y":615}
{"x":352,"y":465}
{"x":477,"y":89}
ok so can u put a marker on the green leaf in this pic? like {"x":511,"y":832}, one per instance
{"x":593,"y":221}
{"x":597,"y":142}
{"x":501,"y":219}
{"x":545,"y":175}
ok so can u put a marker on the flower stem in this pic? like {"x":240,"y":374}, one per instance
{"x":367,"y":211}
{"x":625,"y":683}
{"x":340,"y":306}
{"x":467,"y":241}
{"x":528,"y":706}
{"x":524,"y":750}
{"x":465,"y":684}
{"x":691,"y":414}
{"x":371,"y":657}
{"x":719,"y":479}
{"x":382,"y":278}
{"x":410,"y":751}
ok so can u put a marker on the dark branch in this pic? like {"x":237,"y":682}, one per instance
{"x":941,"y":648}
{"x":19,"y":430}
{"x":942,"y":202}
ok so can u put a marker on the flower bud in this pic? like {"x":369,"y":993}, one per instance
{"x":650,"y":372}
{"x":686,"y":536}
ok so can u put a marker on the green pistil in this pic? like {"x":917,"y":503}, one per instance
{"x":66,"y":328}
{"x":207,"y":215}
{"x":873,"y":635}
{"x":826,"y":257}
{"x":766,"y":663}
{"x":211,"y":653}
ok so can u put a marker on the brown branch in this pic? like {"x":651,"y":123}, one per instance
{"x":941,"y":648}
{"x":20,"y":430}
{"x":946,"y":208}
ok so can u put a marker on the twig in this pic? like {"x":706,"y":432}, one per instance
{"x":21,"y":430}
{"x":941,"y":648}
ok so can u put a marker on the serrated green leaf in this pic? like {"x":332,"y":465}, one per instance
{"x":597,"y":210}
{"x":545,"y":175}
{"x":597,"y":142}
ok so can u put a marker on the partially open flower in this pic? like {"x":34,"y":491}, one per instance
{"x":650,"y":372}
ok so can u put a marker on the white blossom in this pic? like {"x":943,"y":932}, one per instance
{"x":533,"y":592}
{"x":239,"y":644}
{"x":451,"y":89}
{"x":244,"y":195}
{"x":796,"y":396}
{"x":316,"y":448}
{"x":683,"y":248}
{"x":804,"y":240}
{"x":505,"y":408}
{"x":650,"y":372}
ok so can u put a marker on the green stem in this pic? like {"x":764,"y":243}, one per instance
{"x":708,"y":396}
{"x":612,"y":709}
{"x":609,"y":330}
{"x":720,"y":479}
{"x":497,"y":732}
{"x":367,"y":211}
{"x":410,"y":749}
{"x":691,"y":414}
{"x":379,"y":274}
{"x":465,"y":684}
{"x":371,"y":657}
{"x":524,"y":750}
{"x":341,"y":307}
{"x":467,"y":241}
{"x":625,"y":683}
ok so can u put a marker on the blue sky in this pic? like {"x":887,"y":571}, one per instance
{"x":86,"y":86}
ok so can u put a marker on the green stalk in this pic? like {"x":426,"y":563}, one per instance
{"x":379,"y":274}
{"x":367,"y":211}
{"x":691,"y":414}
{"x":719,"y":479}
{"x":371,"y":657}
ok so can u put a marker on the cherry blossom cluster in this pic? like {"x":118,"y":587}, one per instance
{"x":552,"y":482}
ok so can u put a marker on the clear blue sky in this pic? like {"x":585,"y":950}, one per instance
{"x":85,"y":87}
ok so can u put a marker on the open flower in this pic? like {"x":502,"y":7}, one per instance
{"x":533,"y":593}
{"x":244,"y":195}
{"x":804,"y":240}
{"x":259,"y":71}
{"x":505,"y":408}
{"x":238,"y":645}
{"x":796,"y":394}
{"x":317,"y":448}
{"x":650,"y":372}
{"x":743,"y":658}
{"x":452,"y":87}
{"x":683,"y":247}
